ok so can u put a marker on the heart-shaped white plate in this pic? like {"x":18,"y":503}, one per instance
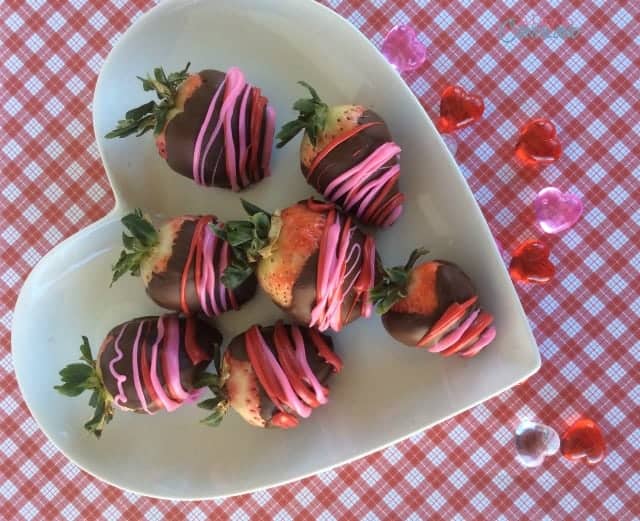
{"x":386,"y":392}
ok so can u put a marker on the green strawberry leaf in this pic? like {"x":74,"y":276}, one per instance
{"x":312,"y":118}
{"x":210,"y":403}
{"x":235,"y":274}
{"x":251,"y":240}
{"x":205,"y":379}
{"x":137,"y":246}
{"x":69,"y":389}
{"x":76,"y":373}
{"x":79,"y":377}
{"x":394,"y":283}
{"x":85,"y":351}
{"x":151,"y":115}
{"x":252,"y":209}
{"x":219,"y":412}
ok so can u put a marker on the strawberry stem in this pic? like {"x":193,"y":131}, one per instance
{"x":394,"y":284}
{"x":79,"y":377}
{"x":250,"y":239}
{"x":152,"y":115}
{"x":137,"y":246}
{"x":312,"y":118}
{"x":219,"y":404}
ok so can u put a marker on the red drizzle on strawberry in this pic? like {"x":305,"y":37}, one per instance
{"x":339,"y":259}
{"x":143,"y":366}
{"x":206,"y":248}
{"x":281,"y":367}
{"x":347,"y":154}
{"x":183,"y":264}
{"x":433,"y":306}
{"x":147,"y":367}
{"x":364,"y":188}
{"x":212,"y":127}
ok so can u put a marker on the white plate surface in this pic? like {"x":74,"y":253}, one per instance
{"x":386,"y":392}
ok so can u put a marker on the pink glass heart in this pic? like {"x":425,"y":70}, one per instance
{"x":556,"y":211}
{"x":403,"y":50}
{"x":534,"y":441}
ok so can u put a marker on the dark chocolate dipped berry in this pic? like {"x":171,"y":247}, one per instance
{"x":182,"y":264}
{"x":311,"y":259}
{"x":433,"y":306}
{"x":143,"y":365}
{"x":212,"y":127}
{"x":273,"y":376}
{"x":347,"y":154}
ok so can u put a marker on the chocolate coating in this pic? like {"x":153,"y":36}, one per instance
{"x":451,"y":285}
{"x":304,"y":290}
{"x":351,"y":152}
{"x":182,"y":132}
{"x":206,"y":336}
{"x":164,"y":288}
{"x":320,"y":368}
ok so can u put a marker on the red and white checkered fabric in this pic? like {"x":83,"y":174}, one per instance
{"x":585,"y":320}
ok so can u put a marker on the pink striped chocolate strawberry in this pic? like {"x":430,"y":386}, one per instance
{"x":183,"y":264}
{"x":347,"y":154}
{"x":311,"y":259}
{"x":434,"y":306}
{"x":144,"y":365}
{"x":212,"y":127}
{"x":273,"y":376}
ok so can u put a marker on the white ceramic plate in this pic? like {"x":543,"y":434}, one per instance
{"x":386,"y":392}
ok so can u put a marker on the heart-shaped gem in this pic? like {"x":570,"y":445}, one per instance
{"x":583,"y":439}
{"x":534,"y":441}
{"x":556,"y":211}
{"x":530,"y":262}
{"x":403,"y":50}
{"x":537,"y":143}
{"x":458,"y":109}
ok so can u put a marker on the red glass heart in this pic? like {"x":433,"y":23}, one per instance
{"x":458,"y":109}
{"x":537,"y":143}
{"x":583,"y":439}
{"x":530,"y":262}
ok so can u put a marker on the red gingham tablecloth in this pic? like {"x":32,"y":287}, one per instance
{"x":586,"y":320}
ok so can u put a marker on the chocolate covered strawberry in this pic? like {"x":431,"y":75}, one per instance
{"x":434,"y":306}
{"x":348,"y":155}
{"x":272,"y":376}
{"x":143,"y":365}
{"x":182,"y":264}
{"x":312,"y":260}
{"x":212,"y":127}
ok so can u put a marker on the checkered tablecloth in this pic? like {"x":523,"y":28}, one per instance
{"x":586,"y":320}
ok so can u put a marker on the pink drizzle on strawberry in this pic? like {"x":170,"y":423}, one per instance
{"x":460,"y":339}
{"x":485,"y":339}
{"x":362,"y":188}
{"x":167,"y":402}
{"x":136,"y":369}
{"x":234,"y":88}
{"x":336,"y":252}
{"x":451,"y":338}
{"x":211,"y":256}
{"x":199,"y":159}
{"x":165,"y":360}
{"x":235,"y":85}
{"x":170,"y":360}
{"x":322,"y":393}
{"x":121,"y":397}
